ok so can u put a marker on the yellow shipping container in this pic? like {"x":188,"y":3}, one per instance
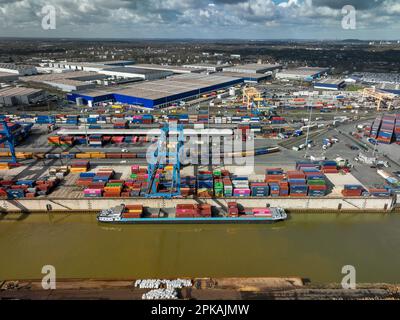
{"x":4,"y":166}
{"x":78,"y":170}
{"x":82,"y":156}
{"x":112,"y":189}
{"x":5,"y":154}
{"x":24,"y":155}
{"x":135,"y":211}
{"x":99,"y":155}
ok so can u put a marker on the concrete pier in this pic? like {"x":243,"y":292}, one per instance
{"x":86,"y":204}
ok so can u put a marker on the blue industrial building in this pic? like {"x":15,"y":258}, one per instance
{"x":390,"y":87}
{"x":158,"y":94}
{"x":330,"y":84}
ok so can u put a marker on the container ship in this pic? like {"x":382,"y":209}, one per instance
{"x":189,"y":214}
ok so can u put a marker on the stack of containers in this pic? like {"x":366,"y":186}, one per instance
{"x":133,"y":211}
{"x":188,"y":186}
{"x":45,"y":119}
{"x":93,"y":193}
{"x":283,"y":189}
{"x":261,"y":212}
{"x":103,"y":175}
{"x":117,"y":139}
{"x":233,"y":210}
{"x":74,"y":120}
{"x":300,"y":165}
{"x":218,"y":188}
{"x":352,"y":190}
{"x":259,"y":189}
{"x":205,"y":184}
{"x":142,"y":119}
{"x":329,"y":166}
{"x":274,"y":175}
{"x":376,"y":125}
{"x":241,"y":186}
{"x":218,"y":184}
{"x":228,"y":188}
{"x":92,"y":119}
{"x":193,"y":210}
{"x":121,"y":125}
{"x":46,"y":186}
{"x":387,"y":129}
{"x":397,"y":129}
{"x":277,"y":120}
{"x":96,"y":140}
{"x":316,"y":182}
{"x":80,"y":140}
{"x":193,"y":118}
{"x":85,"y":179}
{"x":113,"y":189}
{"x":79,"y":166}
{"x":202,"y":116}
{"x":379,"y":192}
{"x":297,"y":183}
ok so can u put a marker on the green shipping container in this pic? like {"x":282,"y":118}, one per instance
{"x":316,"y":182}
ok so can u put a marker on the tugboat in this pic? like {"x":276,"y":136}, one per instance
{"x":119,"y":215}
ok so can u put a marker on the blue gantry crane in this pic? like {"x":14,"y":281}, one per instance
{"x":169,"y":146}
{"x":8,"y":137}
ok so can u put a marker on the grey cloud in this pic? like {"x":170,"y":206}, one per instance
{"x":191,"y":15}
{"x":339,"y":4}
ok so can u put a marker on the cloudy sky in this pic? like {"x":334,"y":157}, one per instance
{"x":247,"y":19}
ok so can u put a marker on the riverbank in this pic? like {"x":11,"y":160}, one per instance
{"x":202,"y":289}
{"x":353,"y":204}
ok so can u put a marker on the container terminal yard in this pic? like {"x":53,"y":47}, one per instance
{"x":293,"y":147}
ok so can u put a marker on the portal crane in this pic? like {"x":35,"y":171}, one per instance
{"x":380,"y":96}
{"x":167,"y":154}
{"x":8,"y":137}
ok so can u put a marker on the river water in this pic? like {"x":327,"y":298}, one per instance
{"x":313,"y":246}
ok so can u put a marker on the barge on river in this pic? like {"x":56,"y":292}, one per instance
{"x":118,"y":215}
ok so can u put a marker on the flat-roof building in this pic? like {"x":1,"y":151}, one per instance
{"x":302,"y":73}
{"x":247,"y":77}
{"x":329,"y":84}
{"x":68,"y":81}
{"x":89,"y":66}
{"x":22,"y":70}
{"x":134,"y":72}
{"x":253,"y":68}
{"x":390,"y":87}
{"x":20,"y":95}
{"x":208,"y":67}
{"x":174,"y":69}
{"x":8,"y":77}
{"x":159,"y":93}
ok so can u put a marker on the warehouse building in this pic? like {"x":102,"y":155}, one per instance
{"x":247,"y":77}
{"x":8,"y":77}
{"x":158,"y":94}
{"x":174,"y":69}
{"x":68,"y":81}
{"x":302,"y":73}
{"x":253,"y":68}
{"x":133,"y":72}
{"x":208,"y":67}
{"x":13,"y":96}
{"x":330,"y":84}
{"x":390,"y":87}
{"x":22,"y":70}
{"x":90,"y":66}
